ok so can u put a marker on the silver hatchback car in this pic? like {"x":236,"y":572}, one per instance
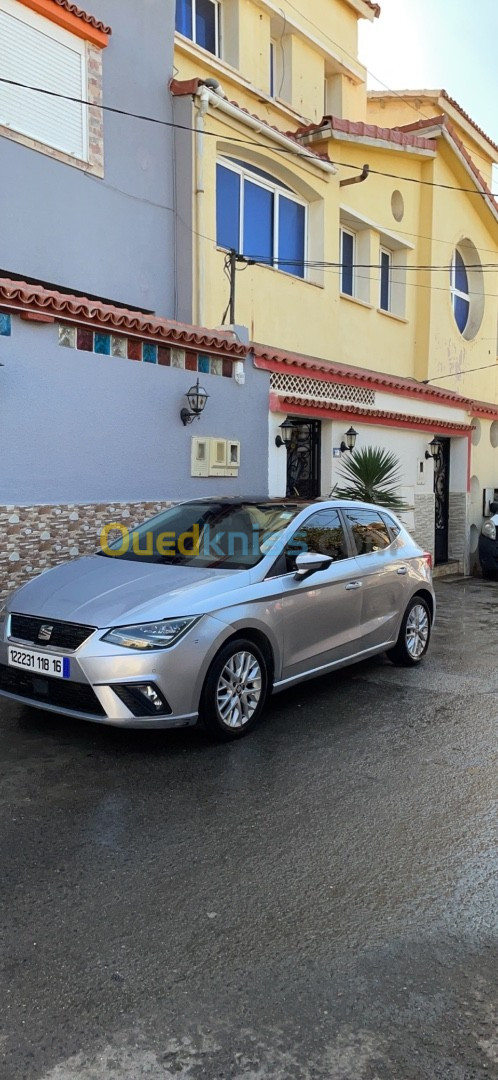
{"x":206,"y":609}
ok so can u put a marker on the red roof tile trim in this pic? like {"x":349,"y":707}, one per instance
{"x":435,"y":96}
{"x":375,"y":8}
{"x":279,"y":361}
{"x":401,"y":419}
{"x":445,"y":125}
{"x":466,"y":116}
{"x":186,"y":87}
{"x":397,"y":136}
{"x":80,"y":14}
{"x":18,"y":296}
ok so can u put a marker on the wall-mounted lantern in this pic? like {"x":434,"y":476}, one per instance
{"x":349,"y":440}
{"x":433,"y":450}
{"x":196,"y":398}
{"x":286,"y":437}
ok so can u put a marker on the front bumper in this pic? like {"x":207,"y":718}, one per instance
{"x":99,"y":669}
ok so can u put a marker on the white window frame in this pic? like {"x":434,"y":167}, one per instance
{"x":217,"y":35}
{"x":273,"y":67}
{"x":388,"y":252}
{"x":276,"y":190}
{"x":344,"y":230}
{"x":63,"y":37}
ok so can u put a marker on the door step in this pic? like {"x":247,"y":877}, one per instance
{"x":452,"y":568}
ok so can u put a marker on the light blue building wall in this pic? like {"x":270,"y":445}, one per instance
{"x":112,"y":237}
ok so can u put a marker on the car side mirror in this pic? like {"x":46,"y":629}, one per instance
{"x":310,"y":562}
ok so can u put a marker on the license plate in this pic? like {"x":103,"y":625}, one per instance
{"x":59,"y":667}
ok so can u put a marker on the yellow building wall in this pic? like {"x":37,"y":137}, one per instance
{"x":458,"y":216}
{"x":398,"y":111}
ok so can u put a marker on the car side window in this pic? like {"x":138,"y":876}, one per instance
{"x":369,"y":530}
{"x":322,"y":533}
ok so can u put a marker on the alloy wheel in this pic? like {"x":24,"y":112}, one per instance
{"x":239,"y":689}
{"x":417,"y":631}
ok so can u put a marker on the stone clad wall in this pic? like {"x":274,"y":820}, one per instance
{"x":425,"y":521}
{"x":34,"y":538}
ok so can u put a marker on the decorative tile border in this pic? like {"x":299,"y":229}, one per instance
{"x":85,"y":339}
{"x":35,"y":538}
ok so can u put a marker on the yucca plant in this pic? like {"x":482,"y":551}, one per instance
{"x":373,"y":475}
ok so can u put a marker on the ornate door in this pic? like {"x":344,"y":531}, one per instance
{"x":441,"y":492}
{"x":303,"y":459}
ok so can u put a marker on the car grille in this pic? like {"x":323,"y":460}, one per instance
{"x":75,"y":697}
{"x":65,"y":635}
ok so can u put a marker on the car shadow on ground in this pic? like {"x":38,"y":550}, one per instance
{"x":321,"y":700}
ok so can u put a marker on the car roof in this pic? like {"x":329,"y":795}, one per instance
{"x":285,"y":502}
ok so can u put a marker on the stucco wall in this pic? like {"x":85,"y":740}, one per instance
{"x":78,"y":427}
{"x":110,"y":237}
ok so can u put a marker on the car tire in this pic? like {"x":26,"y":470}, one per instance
{"x":414,"y":635}
{"x":234,"y":693}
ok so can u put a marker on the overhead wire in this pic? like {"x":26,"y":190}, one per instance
{"x":243,"y":141}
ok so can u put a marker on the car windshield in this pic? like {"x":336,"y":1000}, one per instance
{"x":213,"y":534}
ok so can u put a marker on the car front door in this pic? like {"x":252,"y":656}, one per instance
{"x":383,"y":574}
{"x":320,"y":613}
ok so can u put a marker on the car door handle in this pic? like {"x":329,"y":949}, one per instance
{"x":353,"y":585}
{"x":402,"y":570}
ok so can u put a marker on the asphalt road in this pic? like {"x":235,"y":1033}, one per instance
{"x":317,"y":901}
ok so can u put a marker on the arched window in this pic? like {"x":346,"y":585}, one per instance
{"x":460,"y":295}
{"x":260,"y":217}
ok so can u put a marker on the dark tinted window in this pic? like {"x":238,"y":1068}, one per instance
{"x":369,"y":530}
{"x":205,"y":534}
{"x":322,"y":533}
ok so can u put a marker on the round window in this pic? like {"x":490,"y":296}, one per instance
{"x":467,"y":289}
{"x":397,"y":205}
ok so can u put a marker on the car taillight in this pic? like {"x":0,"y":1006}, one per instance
{"x":427,"y":557}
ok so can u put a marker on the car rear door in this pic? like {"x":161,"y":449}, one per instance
{"x":320,"y":613}
{"x":383,"y":573}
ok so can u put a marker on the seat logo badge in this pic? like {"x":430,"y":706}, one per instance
{"x":45,"y":632}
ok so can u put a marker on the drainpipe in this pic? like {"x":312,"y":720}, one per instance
{"x":356,"y":179}
{"x":202,"y":103}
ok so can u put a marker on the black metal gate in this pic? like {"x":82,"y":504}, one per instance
{"x":442,"y":494}
{"x":303,"y":459}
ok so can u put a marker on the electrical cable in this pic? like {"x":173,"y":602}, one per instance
{"x":244,"y":142}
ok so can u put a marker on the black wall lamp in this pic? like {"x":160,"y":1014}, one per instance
{"x":287,"y":436}
{"x":196,"y":398}
{"x":433,"y":450}
{"x":349,"y":441}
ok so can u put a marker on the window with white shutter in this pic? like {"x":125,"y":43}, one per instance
{"x":36,"y":52}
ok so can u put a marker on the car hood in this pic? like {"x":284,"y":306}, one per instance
{"x":101,"y":592}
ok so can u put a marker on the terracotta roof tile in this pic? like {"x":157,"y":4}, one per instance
{"x":375,"y":8}
{"x":397,"y":136}
{"x":280,"y":360}
{"x":435,"y":96}
{"x":185,"y":87}
{"x":445,"y":125}
{"x":18,"y":296}
{"x":427,"y":423}
{"x":80,"y":14}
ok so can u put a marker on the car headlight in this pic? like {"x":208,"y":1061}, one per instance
{"x":489,"y":530}
{"x":155,"y":635}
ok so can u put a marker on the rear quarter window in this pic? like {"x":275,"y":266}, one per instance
{"x":369,"y":529}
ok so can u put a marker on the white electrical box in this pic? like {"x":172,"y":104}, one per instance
{"x":217,"y":457}
{"x":214,"y":457}
{"x":199,"y":456}
{"x":233,"y":457}
{"x":420,"y":471}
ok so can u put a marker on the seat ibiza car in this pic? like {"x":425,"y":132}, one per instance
{"x":202,"y":612}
